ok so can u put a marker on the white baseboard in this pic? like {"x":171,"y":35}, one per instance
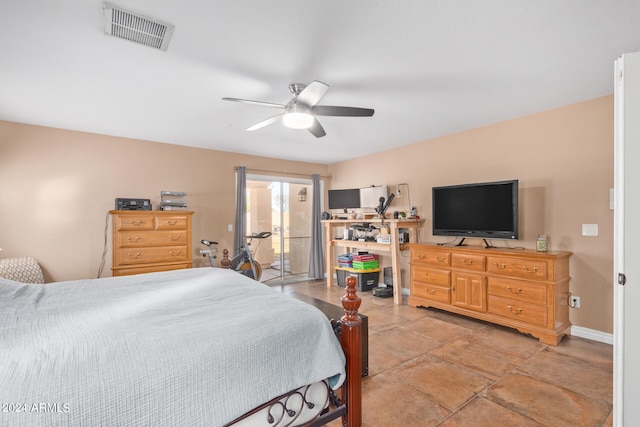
{"x":592,"y":334}
{"x":576,"y":331}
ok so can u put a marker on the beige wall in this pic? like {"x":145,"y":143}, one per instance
{"x":564,"y":161}
{"x":56,"y":187}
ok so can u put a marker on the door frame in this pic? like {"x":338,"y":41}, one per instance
{"x":289,"y":180}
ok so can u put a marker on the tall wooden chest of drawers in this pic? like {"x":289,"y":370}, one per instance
{"x":148,"y":241}
{"x":521,"y":289}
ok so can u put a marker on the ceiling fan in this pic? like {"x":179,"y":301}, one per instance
{"x":300,"y":111}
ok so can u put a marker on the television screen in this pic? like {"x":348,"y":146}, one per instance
{"x":485,"y":210}
{"x":344,"y":199}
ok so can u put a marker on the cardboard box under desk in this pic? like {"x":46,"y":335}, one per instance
{"x":365,"y":279}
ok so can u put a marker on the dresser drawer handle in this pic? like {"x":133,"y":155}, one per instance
{"x":510,"y":289}
{"x":137,"y":238}
{"x":440,"y":259}
{"x":174,"y":222}
{"x":432,"y":291}
{"x":500,"y":266}
{"x":533,"y":270}
{"x":136,"y":255}
{"x":175,"y":253}
{"x":421,"y":256}
{"x":175,"y":237}
{"x":510,"y":308}
{"x":467,"y":261}
{"x":135,"y":222}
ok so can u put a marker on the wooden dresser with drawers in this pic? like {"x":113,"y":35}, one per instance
{"x":149,"y":241}
{"x":521,"y":289}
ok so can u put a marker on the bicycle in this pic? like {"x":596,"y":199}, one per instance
{"x":243,"y":262}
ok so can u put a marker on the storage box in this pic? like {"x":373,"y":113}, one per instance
{"x":365,"y":280}
{"x":369,"y":265}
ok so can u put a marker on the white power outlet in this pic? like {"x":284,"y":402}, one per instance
{"x":575,"y":301}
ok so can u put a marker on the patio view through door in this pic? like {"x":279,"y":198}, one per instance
{"x":283,"y":206}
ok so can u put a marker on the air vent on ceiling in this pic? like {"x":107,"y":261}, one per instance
{"x":136,"y":28}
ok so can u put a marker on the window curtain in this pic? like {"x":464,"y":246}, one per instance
{"x":241,"y":209}
{"x":316,"y":256}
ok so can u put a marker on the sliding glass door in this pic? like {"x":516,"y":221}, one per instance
{"x":283,"y":206}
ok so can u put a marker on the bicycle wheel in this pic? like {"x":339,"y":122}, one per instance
{"x":245,"y":268}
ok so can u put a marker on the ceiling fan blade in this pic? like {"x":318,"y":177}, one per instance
{"x":316,"y":129}
{"x":313,"y":93}
{"x":248,"y":101}
{"x":331,"y":110}
{"x":266,"y":122}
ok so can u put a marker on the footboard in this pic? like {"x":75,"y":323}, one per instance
{"x":316,"y":404}
{"x":350,"y":338}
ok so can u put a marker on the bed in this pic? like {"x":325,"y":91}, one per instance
{"x":202,"y":346}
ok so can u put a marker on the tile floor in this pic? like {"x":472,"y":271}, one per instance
{"x":432,"y":368}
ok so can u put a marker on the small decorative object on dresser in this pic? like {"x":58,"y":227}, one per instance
{"x":521,"y":289}
{"x":149,"y":241}
{"x":173,"y":201}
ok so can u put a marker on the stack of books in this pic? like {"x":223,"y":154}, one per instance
{"x":345,"y":260}
{"x":365,"y":261}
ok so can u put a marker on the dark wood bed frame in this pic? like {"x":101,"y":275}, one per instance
{"x":350,"y":338}
{"x":349,"y":405}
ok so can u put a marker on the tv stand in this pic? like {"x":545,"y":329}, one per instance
{"x":487,"y":245}
{"x":461,"y":242}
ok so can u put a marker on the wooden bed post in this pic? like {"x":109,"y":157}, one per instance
{"x":351,"y":337}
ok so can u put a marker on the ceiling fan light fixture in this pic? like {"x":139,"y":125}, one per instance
{"x":296,"y":120}
{"x":301,"y":111}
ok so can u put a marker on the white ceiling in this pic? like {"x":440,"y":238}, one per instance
{"x":428,"y":68}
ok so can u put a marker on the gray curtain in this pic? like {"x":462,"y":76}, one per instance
{"x":241,"y":209}
{"x":316,"y":256}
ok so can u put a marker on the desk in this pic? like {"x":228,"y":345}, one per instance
{"x":393,"y":248}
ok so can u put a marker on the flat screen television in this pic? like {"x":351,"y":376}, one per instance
{"x":484,"y":210}
{"x":344,"y":199}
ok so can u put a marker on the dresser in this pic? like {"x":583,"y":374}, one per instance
{"x":521,"y":289}
{"x":149,"y":241}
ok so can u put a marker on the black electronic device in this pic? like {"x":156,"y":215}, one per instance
{"x":388,"y":276}
{"x":380,"y":206}
{"x":382,"y":292}
{"x":483,"y":210}
{"x":388,"y":203}
{"x":364,"y":226}
{"x":344,"y":199}
{"x":124,"y":204}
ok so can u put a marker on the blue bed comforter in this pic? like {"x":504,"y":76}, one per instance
{"x":180,"y":348}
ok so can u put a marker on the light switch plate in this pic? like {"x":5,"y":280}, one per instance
{"x":612,"y":199}
{"x":590,"y":230}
